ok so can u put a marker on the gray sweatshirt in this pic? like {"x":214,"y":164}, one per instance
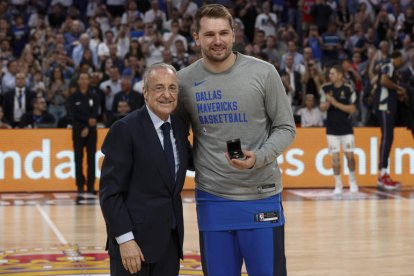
{"x":248,"y":101}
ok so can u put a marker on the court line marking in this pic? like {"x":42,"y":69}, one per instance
{"x":55,"y":230}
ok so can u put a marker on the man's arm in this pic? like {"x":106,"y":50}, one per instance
{"x":283,"y":130}
{"x":116,"y":170}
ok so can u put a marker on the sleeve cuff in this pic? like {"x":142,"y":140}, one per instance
{"x":124,"y":238}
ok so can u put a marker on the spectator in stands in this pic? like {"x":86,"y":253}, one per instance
{"x":339,"y":99}
{"x":314,"y":41}
{"x":135,"y":100}
{"x":39,"y":117}
{"x":153,"y":50}
{"x":363,"y":16}
{"x":180,"y":59}
{"x":57,"y":93}
{"x":78,"y":51}
{"x":186,"y":29}
{"x":110,"y":88}
{"x":73,"y":35}
{"x":187,"y":7}
{"x":134,"y":68}
{"x":259,"y":41}
{"x":131,"y":14}
{"x":292,"y":80}
{"x":344,"y":17}
{"x":18,"y":100}
{"x":121,"y":111}
{"x":170,"y":38}
{"x":331,"y":44}
{"x":8,"y":80}
{"x":312,"y":79}
{"x":115,"y":7}
{"x":407,"y":52}
{"x":310,"y":115}
{"x":123,"y":41}
{"x":266,"y":20}
{"x":116,"y":60}
{"x":84,"y":105}
{"x":103,"y":47}
{"x":154,"y":12}
{"x":247,"y":11}
{"x":19,"y":35}
{"x":3,"y":122}
{"x":322,"y":13}
{"x":95,"y":35}
{"x":292,"y":51}
{"x":272,"y":51}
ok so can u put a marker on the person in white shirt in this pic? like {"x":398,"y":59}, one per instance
{"x":310,"y":115}
{"x":171,"y":37}
{"x":267,"y":20}
{"x":111,"y":87}
{"x":103,"y":47}
{"x":154,"y":13}
{"x":187,"y":7}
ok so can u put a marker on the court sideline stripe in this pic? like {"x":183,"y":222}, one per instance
{"x":46,"y":217}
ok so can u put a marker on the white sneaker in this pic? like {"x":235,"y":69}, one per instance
{"x":338,"y":190}
{"x":353,"y":187}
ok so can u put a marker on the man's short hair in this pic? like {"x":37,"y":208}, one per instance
{"x":212,"y":11}
{"x":153,"y":67}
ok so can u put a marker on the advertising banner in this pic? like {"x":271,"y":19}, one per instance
{"x":42,"y":159}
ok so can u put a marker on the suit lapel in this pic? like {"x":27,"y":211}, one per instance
{"x":154,"y":146}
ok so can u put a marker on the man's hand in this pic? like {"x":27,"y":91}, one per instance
{"x":85,"y":132}
{"x":92,"y":122}
{"x":132,"y":256}
{"x":241,"y":164}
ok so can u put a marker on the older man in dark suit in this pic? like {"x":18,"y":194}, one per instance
{"x":142,"y":176}
{"x":18,"y":101}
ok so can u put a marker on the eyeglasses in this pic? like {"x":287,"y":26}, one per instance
{"x":162,"y":89}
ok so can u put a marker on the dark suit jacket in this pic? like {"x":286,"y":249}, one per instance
{"x":134,"y":99}
{"x":8,"y":103}
{"x":297,"y":98}
{"x":137,"y":192}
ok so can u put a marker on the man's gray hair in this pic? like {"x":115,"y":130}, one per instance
{"x":153,"y":67}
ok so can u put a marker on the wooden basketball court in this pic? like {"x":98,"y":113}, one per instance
{"x":369,"y":233}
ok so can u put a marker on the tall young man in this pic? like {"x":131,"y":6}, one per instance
{"x":385,"y":104}
{"x":227,"y":95}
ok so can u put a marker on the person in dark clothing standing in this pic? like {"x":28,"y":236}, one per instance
{"x":39,"y":117}
{"x":135,"y":100}
{"x":84,"y":105}
{"x":385,"y":104}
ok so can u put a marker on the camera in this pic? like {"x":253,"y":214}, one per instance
{"x":234,"y":149}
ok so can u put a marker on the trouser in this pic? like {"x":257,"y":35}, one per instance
{"x":262,"y":249}
{"x":387,"y":123}
{"x":79,"y":144}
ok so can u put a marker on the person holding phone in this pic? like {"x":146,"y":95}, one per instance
{"x":224,"y":96}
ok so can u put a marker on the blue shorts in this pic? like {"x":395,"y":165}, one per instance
{"x":229,"y":235}
{"x":216,"y":213}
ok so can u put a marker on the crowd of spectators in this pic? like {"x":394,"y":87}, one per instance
{"x":50,"y":42}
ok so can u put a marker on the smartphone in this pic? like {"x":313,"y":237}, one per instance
{"x":234,"y":149}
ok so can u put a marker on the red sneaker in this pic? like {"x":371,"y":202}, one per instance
{"x":385,"y":182}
